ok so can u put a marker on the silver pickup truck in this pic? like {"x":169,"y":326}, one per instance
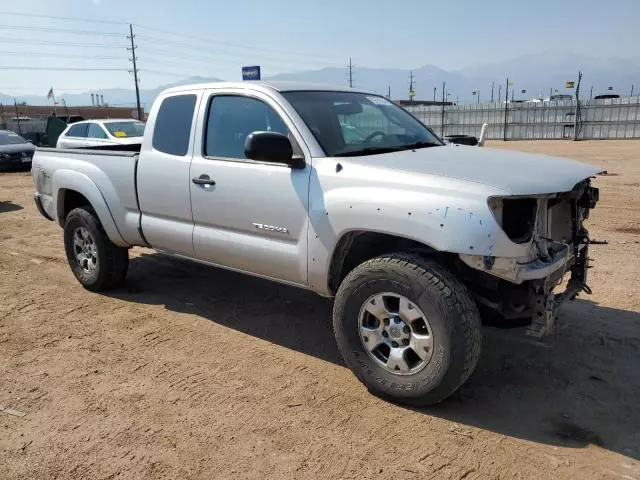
{"x":346,"y":194}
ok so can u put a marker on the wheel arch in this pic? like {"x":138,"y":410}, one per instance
{"x":73,"y":189}
{"x":357,"y":246}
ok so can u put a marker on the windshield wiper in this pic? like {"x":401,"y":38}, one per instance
{"x":413,"y":146}
{"x":368,"y":151}
{"x":376,"y":150}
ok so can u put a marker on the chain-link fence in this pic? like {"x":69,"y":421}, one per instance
{"x":615,"y":118}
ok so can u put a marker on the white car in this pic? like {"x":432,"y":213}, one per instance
{"x":97,"y":133}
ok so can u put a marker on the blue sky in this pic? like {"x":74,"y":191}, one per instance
{"x":288,"y":35}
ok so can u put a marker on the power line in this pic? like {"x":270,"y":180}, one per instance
{"x":180,"y":62}
{"x":184,"y":46}
{"x":57,"y":88}
{"x":59,"y":55}
{"x":162,"y":72}
{"x":278,"y":58}
{"x":75,"y":19}
{"x":74,"y":69}
{"x":66,"y":44}
{"x":199,"y":59}
{"x":60,"y":30}
{"x":160,"y":30}
{"x":227,"y":44}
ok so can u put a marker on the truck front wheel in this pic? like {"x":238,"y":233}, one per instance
{"x":95,"y":261}
{"x":407,"y":328}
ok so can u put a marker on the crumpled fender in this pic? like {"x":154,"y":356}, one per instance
{"x":446,"y":223}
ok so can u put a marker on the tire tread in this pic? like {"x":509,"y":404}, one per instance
{"x":116,"y":259}
{"x":455,"y":294}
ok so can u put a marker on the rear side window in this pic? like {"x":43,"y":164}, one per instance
{"x":79,"y":130}
{"x":96,"y":131}
{"x":173,"y":125}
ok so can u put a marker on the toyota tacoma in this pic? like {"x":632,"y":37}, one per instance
{"x":411,"y":237}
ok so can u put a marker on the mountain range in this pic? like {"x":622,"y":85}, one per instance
{"x":536,"y":74}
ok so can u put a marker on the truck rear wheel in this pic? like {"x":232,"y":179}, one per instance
{"x":96,"y":262}
{"x":407,"y":328}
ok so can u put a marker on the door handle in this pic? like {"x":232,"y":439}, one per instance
{"x":203,"y":180}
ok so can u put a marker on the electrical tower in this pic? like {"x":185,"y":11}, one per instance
{"x":135,"y":72}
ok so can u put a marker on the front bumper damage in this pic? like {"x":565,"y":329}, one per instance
{"x":523,"y":287}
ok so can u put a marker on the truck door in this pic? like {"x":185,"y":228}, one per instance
{"x":250,"y":216}
{"x":163,"y":180}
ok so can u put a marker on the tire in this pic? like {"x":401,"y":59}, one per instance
{"x":451,"y":317}
{"x":111,"y":262}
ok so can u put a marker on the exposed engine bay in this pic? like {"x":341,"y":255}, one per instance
{"x":551,"y":230}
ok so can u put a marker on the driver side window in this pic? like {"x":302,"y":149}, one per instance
{"x":232,"y":118}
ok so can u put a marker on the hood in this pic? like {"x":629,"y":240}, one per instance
{"x":516,"y":173}
{"x":17,"y":148}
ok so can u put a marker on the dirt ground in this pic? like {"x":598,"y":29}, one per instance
{"x":191,"y":372}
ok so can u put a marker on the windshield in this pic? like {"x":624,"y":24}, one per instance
{"x":352,"y":124}
{"x":10,"y":138}
{"x":125,"y":129}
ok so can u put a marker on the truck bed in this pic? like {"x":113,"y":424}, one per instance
{"x":112,"y":170}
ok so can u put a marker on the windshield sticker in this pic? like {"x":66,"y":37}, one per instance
{"x":379,"y":100}
{"x":119,"y":134}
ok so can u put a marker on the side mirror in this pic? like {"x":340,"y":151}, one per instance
{"x":271,"y":147}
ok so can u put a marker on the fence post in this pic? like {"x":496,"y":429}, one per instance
{"x":442,"y":114}
{"x":635,"y":123}
{"x":506,"y":110}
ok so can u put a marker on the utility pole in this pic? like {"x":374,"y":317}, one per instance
{"x":350,"y":73}
{"x":591,"y":92}
{"x":492,"y":85}
{"x":135,"y":72}
{"x":550,"y":93}
{"x":631,"y":91}
{"x":66,"y":109}
{"x":478,"y":97}
{"x":411,"y":92}
{"x":499,"y":92}
{"x":506,"y":110}
{"x":443,"y":100}
{"x":15,"y":104}
{"x":389,"y":93}
{"x":578,"y":120}
{"x":434,"y":94}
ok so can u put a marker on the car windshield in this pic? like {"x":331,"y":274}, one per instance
{"x":352,"y":124}
{"x":125,"y":129}
{"x":10,"y":138}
